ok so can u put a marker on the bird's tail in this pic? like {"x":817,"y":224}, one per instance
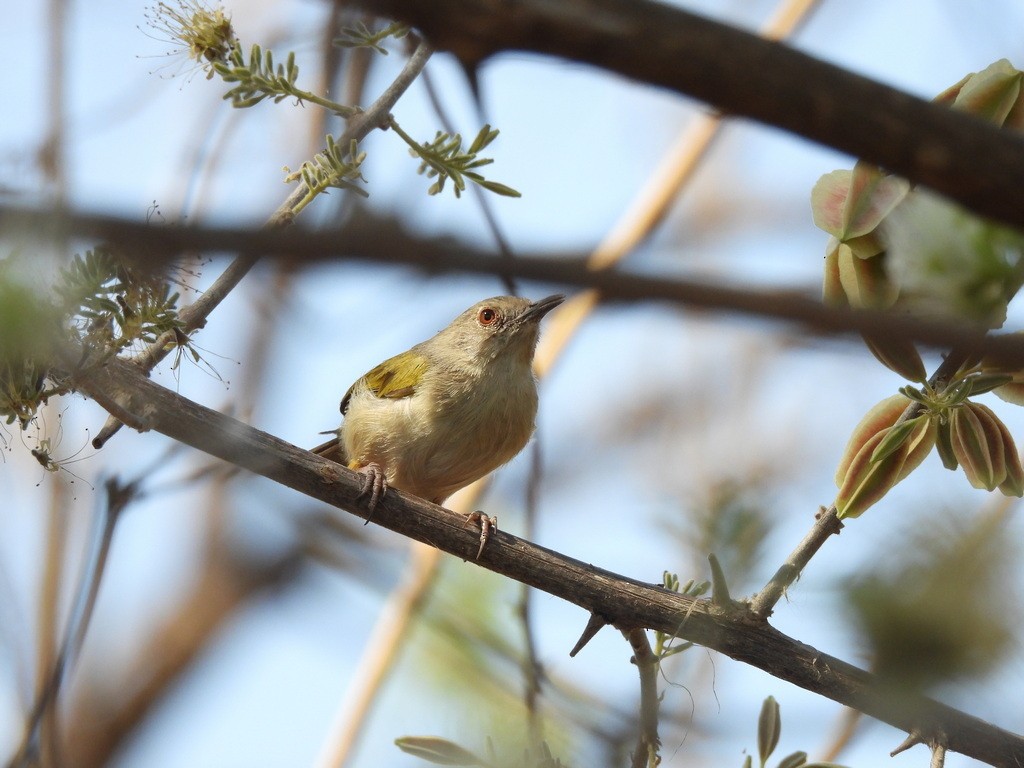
{"x":333,"y":450}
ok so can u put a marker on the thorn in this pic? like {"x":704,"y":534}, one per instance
{"x":594,"y":625}
{"x":487,"y":526}
{"x":719,"y":589}
{"x":913,"y":739}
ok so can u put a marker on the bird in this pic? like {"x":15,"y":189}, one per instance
{"x":448,"y":411}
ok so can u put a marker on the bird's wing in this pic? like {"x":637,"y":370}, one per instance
{"x":395,"y":378}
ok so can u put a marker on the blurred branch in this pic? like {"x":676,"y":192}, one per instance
{"x":97,"y":724}
{"x":628,"y":603}
{"x":381,"y":240}
{"x":960,"y":156}
{"x":403,"y":605}
{"x":647,"y":743}
{"x":654,"y":200}
{"x":118,"y":497}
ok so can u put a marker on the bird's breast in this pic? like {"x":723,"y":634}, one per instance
{"x":453,"y":430}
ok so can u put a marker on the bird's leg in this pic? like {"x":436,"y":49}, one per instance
{"x":375,"y":484}
{"x":487,"y":525}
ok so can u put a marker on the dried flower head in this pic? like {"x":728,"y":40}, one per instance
{"x":206,"y":33}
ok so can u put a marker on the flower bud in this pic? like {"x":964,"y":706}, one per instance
{"x":881,"y":416}
{"x":867,"y":480}
{"x":898,"y":355}
{"x":978,"y":445}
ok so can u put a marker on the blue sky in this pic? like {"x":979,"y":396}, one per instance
{"x":730,"y":397}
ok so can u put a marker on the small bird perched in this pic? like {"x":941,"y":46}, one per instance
{"x":432,"y":420}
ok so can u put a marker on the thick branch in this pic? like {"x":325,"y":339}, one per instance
{"x":384,"y":241}
{"x":627,"y":603}
{"x":958,"y":155}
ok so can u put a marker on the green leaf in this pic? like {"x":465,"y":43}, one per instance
{"x":894,"y":438}
{"x":769,"y":728}
{"x":795,"y":760}
{"x":438,"y":751}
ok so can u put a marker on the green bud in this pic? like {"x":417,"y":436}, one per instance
{"x":986,"y":382}
{"x":438,"y":751}
{"x":944,"y":444}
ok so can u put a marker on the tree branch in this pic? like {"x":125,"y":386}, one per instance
{"x":964,"y":158}
{"x":381,"y":240}
{"x":628,"y":604}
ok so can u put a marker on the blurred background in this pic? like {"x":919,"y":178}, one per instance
{"x":236,"y":620}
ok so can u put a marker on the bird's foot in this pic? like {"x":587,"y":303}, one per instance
{"x":487,"y":526}
{"x":375,"y":485}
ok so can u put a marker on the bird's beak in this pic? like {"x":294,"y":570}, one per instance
{"x":538,"y":309}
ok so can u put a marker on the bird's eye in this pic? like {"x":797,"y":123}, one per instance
{"x":487,"y":316}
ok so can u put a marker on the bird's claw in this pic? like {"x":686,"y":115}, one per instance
{"x":487,"y":526}
{"x":375,"y":485}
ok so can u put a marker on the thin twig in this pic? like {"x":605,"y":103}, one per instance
{"x":827,"y":521}
{"x":118,"y":497}
{"x":647,"y":742}
{"x":481,"y":197}
{"x":195,"y":315}
{"x":532,"y":671}
{"x":53,"y":160}
{"x":846,"y":727}
{"x":388,"y":635}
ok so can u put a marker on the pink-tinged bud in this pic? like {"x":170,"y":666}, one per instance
{"x":898,"y":355}
{"x":978,"y":445}
{"x":867,"y":481}
{"x":850,"y":204}
{"x":1013,"y":485}
{"x":994,"y":94}
{"x":864,"y":281}
{"x":881,"y":416}
{"x":1011,"y":393}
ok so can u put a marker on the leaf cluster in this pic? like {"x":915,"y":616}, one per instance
{"x":444,"y":159}
{"x":97,"y":303}
{"x":332,"y":168}
{"x":663,"y":642}
{"x":256,"y":78}
{"x":359,"y":36}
